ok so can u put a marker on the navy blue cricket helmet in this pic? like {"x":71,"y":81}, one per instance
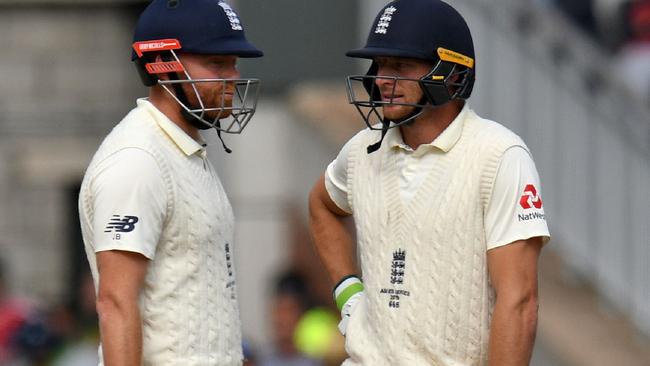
{"x":428,"y":30}
{"x":201,"y":26}
{"x":416,"y":29}
{"x":167,"y":28}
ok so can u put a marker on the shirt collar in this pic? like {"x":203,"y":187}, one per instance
{"x":185,"y":143}
{"x":444,"y":142}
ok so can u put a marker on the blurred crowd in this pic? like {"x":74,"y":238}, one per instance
{"x":622,"y":28}
{"x":303,"y":332}
{"x":64,"y":334}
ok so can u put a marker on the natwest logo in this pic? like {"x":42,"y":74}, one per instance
{"x":530,"y":198}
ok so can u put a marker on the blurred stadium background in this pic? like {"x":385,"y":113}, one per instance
{"x":572,"y":77}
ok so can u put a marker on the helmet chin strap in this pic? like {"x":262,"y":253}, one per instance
{"x":191,"y":118}
{"x":384,"y":128}
{"x":385,"y":124}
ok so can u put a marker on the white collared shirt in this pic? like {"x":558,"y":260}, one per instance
{"x":118,"y":191}
{"x":149,"y":189}
{"x":516,"y":171}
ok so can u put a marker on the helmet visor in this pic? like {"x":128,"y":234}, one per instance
{"x":226,"y":105}
{"x":365,"y":94}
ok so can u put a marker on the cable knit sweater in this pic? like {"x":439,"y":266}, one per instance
{"x":428,"y":297}
{"x":189,"y":309}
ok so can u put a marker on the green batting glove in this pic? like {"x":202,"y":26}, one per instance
{"x":347,"y":294}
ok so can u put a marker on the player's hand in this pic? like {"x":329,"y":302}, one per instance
{"x":347,"y":311}
{"x":347,"y":294}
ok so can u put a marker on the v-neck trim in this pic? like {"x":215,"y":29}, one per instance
{"x":406,"y":213}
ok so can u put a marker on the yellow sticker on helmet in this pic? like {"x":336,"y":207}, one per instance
{"x":455,"y":57}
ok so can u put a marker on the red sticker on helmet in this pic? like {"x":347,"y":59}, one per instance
{"x":164,"y":67}
{"x":156,"y":45}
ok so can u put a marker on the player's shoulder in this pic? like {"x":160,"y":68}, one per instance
{"x":129,"y":161}
{"x":492,"y":132}
{"x":350,"y":146}
{"x":364,"y":137}
{"x":135,"y":135}
{"x":137,"y":129}
{"x":366,"y":134}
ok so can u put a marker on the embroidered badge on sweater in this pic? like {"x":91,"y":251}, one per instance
{"x":397,"y":272}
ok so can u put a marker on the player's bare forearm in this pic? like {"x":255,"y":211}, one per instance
{"x":121,"y":333}
{"x":512,"y":333}
{"x":333,"y":240}
{"x":513,"y":273}
{"x":121,"y":277}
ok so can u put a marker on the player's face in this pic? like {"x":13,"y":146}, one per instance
{"x":285,"y":315}
{"x":216,"y":94}
{"x":401,"y":91}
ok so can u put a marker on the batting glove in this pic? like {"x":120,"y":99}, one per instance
{"x":347,"y":295}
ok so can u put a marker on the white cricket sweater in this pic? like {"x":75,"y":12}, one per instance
{"x":190,"y":315}
{"x":428,"y":297}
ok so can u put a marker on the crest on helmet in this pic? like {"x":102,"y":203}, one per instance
{"x":384,"y":20}
{"x":232,"y":16}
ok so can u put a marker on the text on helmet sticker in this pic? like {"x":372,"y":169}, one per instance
{"x":156,"y":45}
{"x":455,"y":57}
{"x":232,"y":16}
{"x":384,"y":20}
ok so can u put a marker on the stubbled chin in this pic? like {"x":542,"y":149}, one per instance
{"x":396,"y":112}
{"x":223,"y":114}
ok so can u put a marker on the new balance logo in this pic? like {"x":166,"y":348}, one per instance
{"x":120,"y":224}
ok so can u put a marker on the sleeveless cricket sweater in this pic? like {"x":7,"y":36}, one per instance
{"x":428,"y":297}
{"x":190,"y":315}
